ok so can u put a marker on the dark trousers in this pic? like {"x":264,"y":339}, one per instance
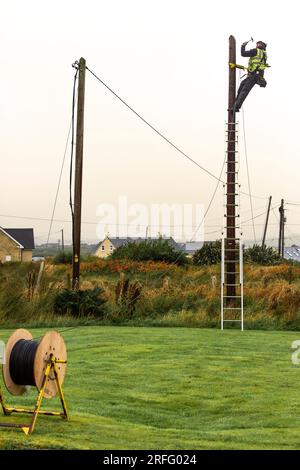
{"x":244,"y":89}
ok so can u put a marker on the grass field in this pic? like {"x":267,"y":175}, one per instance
{"x":170,"y":295}
{"x":171,"y":388}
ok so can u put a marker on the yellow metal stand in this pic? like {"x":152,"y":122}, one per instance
{"x":28,"y":428}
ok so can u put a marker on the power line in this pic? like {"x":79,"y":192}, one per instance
{"x":72,"y":146}
{"x":58,"y":185}
{"x":44,"y":219}
{"x":248,"y":173}
{"x":161,"y":134}
{"x":154,"y":128}
{"x":211,"y":200}
{"x":259,"y":215}
{"x":64,"y":158}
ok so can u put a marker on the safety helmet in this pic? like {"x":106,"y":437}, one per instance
{"x":263,"y":44}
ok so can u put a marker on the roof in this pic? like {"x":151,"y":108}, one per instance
{"x":23,"y":236}
{"x":119,"y":241}
{"x":191,"y":247}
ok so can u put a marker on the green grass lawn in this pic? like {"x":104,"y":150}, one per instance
{"x":171,"y":388}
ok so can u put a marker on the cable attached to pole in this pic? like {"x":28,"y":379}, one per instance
{"x":247,"y":166}
{"x":76,"y":66}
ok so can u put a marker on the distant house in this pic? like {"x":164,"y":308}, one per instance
{"x":16,"y":244}
{"x":107,"y":246}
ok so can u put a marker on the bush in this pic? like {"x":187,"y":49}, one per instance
{"x":266,"y":256}
{"x":150,"y":250}
{"x":63,"y":258}
{"x":127,"y":294}
{"x":80,"y":302}
{"x":210,"y":253}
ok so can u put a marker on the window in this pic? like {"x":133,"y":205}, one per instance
{"x":102,"y":247}
{"x":8,"y":258}
{"x":111,"y":248}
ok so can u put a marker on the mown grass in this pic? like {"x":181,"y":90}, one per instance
{"x":171,"y":388}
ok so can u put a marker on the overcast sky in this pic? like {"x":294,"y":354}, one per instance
{"x":168,"y":59}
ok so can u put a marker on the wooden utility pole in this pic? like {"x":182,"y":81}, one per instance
{"x":78,"y":176}
{"x":282,"y":236}
{"x":281,"y":229}
{"x":62,"y":241}
{"x":266,"y":224}
{"x":230,"y":242}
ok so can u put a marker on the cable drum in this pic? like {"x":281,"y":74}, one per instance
{"x":26,"y":360}
{"x":22,"y":361}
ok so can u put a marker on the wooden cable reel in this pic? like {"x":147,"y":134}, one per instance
{"x":42,"y":365}
{"x":52,"y":343}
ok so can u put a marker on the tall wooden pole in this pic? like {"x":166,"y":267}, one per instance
{"x":281,"y":212}
{"x":78,"y":176}
{"x":266,"y":224}
{"x":230,"y":243}
{"x":62,"y":240}
{"x":282,"y":232}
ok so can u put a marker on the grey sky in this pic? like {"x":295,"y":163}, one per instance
{"x":168,"y":59}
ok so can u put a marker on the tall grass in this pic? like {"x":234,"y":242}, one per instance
{"x":170,"y":294}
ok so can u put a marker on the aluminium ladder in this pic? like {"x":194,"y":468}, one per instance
{"x":232,"y":309}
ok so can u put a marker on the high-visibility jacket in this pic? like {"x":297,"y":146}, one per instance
{"x":258,"y":62}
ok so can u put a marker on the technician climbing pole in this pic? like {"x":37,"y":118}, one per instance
{"x":232,"y":254}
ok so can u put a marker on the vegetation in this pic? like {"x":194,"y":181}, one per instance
{"x":171,"y":388}
{"x":147,"y":293}
{"x":266,"y":255}
{"x":80,"y":302}
{"x":127,"y":294}
{"x":63,"y":258}
{"x":150,"y":250}
{"x":210,"y":253}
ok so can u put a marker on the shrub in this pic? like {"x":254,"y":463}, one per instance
{"x":150,"y":250}
{"x":80,"y":302}
{"x":63,"y":258}
{"x":127,"y":295}
{"x":266,"y":256}
{"x":210,"y":253}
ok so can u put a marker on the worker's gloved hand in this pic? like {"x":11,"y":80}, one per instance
{"x":245,"y":43}
{"x":262,"y":82}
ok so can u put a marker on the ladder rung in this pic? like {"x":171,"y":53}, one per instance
{"x":231,"y":205}
{"x":232,"y":141}
{"x":231,"y":215}
{"x":231,"y":172}
{"x":232,"y":284}
{"x":233,"y":320}
{"x":232,"y":249}
{"x":231,"y":238}
{"x":231,"y":227}
{"x":232,"y":151}
{"x":232,"y":308}
{"x":232,"y":296}
{"x":233,"y":273}
{"x":230,"y":261}
{"x":231,"y":194}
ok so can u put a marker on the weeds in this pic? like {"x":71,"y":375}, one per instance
{"x":147,"y":293}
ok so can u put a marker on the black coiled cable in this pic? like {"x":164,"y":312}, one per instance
{"x":22,"y":361}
